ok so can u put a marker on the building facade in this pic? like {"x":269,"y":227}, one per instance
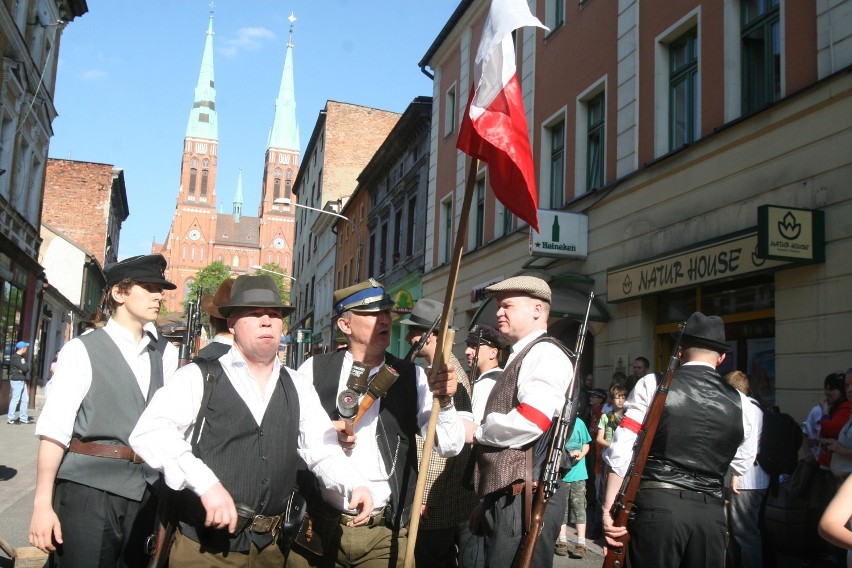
{"x":199,"y":235}
{"x":696,"y":158}
{"x":30,"y":33}
{"x":343,"y":140}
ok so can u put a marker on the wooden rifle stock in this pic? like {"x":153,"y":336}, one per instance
{"x":622,"y":508}
{"x":549,"y":483}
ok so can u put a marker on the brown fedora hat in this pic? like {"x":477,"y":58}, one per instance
{"x":211,"y":303}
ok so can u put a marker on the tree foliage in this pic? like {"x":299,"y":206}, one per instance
{"x":274,"y":271}
{"x":208,"y":279}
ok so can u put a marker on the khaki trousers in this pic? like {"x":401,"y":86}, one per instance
{"x":186,"y":553}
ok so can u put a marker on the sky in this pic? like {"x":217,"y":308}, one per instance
{"x":128,"y":69}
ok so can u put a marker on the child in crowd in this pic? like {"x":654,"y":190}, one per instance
{"x":606,"y":428}
{"x":577,"y":447}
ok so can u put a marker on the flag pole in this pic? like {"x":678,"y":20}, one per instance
{"x":444,"y":347}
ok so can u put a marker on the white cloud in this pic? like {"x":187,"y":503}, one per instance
{"x":92,"y":74}
{"x":247,"y":39}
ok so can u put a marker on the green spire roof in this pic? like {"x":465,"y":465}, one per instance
{"x":238,"y":198}
{"x":203,"y":122}
{"x":285,"y":132}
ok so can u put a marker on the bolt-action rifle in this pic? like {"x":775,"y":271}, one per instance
{"x":189,"y":345}
{"x":622,"y":508}
{"x":549,"y":483}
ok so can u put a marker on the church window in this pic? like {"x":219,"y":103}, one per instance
{"x":251,"y":261}
{"x":201,"y":147}
{"x":192,"y":254}
{"x":235,"y":261}
{"x":193,"y":175}
{"x":201,"y":256}
{"x":205,"y":164}
{"x":203,"y":183}
{"x":183,"y":252}
{"x":194,"y":162}
{"x":276,"y":191}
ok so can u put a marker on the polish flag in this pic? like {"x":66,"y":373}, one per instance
{"x":494,"y":127}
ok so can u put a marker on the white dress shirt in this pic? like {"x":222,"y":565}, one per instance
{"x":481,"y":391}
{"x":543,"y":381}
{"x":754,"y":477}
{"x":73,"y":377}
{"x":162,"y":435}
{"x":365,"y":459}
{"x":620,"y":452}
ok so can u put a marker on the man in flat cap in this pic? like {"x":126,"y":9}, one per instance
{"x":485,"y":349}
{"x":382,"y":448}
{"x":233,"y":443}
{"x":447,"y":504}
{"x":511,"y":442}
{"x":223,"y":339}
{"x":680,"y":520}
{"x":93,"y":504}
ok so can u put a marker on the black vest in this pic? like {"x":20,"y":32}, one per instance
{"x":214,"y":350}
{"x":254,"y":463}
{"x":699,"y":432}
{"x":398,"y":418}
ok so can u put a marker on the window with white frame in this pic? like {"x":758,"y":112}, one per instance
{"x":595,"y":145}
{"x":554,"y":14}
{"x":683,"y":89}
{"x":446,"y":235}
{"x":479,"y":218}
{"x":450,"y":111}
{"x":555,"y":166}
{"x":761,"y":53}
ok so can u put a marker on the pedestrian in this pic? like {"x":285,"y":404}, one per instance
{"x":257,"y":419}
{"x":19,"y":370}
{"x":640,"y":367}
{"x":382,"y":448}
{"x":512,"y":439}
{"x":223,"y":339}
{"x":747,"y":491}
{"x":486,"y":347}
{"x":594,"y":463}
{"x":93,"y":503}
{"x":577,"y":447}
{"x":680,"y":520}
{"x":447,"y":504}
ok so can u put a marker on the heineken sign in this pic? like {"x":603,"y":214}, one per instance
{"x":563,"y":234}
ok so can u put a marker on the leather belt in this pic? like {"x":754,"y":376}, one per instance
{"x":98,"y":450}
{"x":649,"y":484}
{"x":266,"y":524}
{"x":515,"y":488}
{"x":376,"y":519}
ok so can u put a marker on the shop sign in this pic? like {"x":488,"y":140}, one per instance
{"x":730,"y":257}
{"x":403,"y":303}
{"x":785,"y":233}
{"x":477,"y":292}
{"x":303,"y":335}
{"x":563,"y":234}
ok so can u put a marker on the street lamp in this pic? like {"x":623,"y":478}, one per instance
{"x":281,"y":274}
{"x":288,"y":201}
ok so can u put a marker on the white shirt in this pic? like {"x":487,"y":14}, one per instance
{"x":543,"y":381}
{"x":365,"y":459}
{"x":162,"y":435}
{"x":811,"y":427}
{"x":620,"y":452}
{"x":481,"y":390}
{"x":73,"y":377}
{"x":754,"y":477}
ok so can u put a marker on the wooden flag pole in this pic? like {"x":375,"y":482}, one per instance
{"x":444,"y":347}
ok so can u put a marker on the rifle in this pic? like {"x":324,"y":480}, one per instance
{"x":158,"y":544}
{"x":417,"y":347}
{"x":549,"y":483}
{"x":622,"y":509}
{"x":474,"y":372}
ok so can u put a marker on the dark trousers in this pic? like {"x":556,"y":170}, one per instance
{"x":100,"y":529}
{"x":504,"y":529}
{"x":675,"y":528}
{"x":448,"y":548}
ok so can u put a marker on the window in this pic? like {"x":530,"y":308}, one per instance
{"x":479,"y":234}
{"x":372,"y":264}
{"x":556,"y":139}
{"x":398,"y":233}
{"x":384,"y":248}
{"x":409,"y":236}
{"x":595,"y":142}
{"x":508,"y":221}
{"x":447,"y":234}
{"x":761,"y":53}
{"x":193,"y":175}
{"x":555,"y":14}
{"x":203,"y":184}
{"x":450,"y":111}
{"x":288,"y":184}
{"x":276,"y":186}
{"x":683,"y":89}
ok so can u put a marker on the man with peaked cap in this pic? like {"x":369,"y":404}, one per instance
{"x":258,"y":418}
{"x":93,"y":504}
{"x":510,"y":444}
{"x":382,"y":448}
{"x":223,"y":339}
{"x":18,"y":371}
{"x":484,"y":346}
{"x":680,"y":520}
{"x":447,"y":504}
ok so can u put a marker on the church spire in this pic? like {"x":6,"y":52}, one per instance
{"x":238,"y":198}
{"x":203,"y":122}
{"x":285,"y":132}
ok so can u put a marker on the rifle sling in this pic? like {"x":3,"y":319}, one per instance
{"x":528,"y":489}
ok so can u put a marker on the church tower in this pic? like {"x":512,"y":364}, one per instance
{"x":188,"y":245}
{"x":277,"y":226}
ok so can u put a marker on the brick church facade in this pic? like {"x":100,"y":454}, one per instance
{"x":199,"y":235}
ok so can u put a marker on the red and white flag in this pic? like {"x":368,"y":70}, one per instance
{"x":494,"y":127}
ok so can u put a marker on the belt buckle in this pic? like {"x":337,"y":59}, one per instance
{"x":264,"y":524}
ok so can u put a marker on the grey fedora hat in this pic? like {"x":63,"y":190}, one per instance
{"x":255,"y":292}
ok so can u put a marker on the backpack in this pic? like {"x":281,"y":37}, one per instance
{"x":778,"y":447}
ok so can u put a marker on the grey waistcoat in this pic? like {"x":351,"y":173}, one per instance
{"x":107,"y":415}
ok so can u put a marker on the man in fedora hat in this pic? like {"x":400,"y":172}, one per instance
{"x":93,"y":504}
{"x":257,"y":418}
{"x":447,"y":504}
{"x":510,"y":443}
{"x":680,"y":520}
{"x":223,"y":339}
{"x":485,"y":348}
{"x":382,"y":448}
